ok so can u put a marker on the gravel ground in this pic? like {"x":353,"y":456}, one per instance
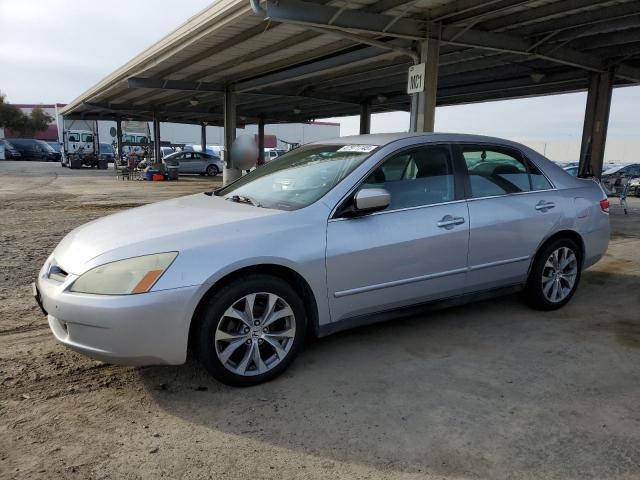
{"x":491,"y":390}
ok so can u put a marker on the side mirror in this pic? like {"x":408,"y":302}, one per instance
{"x":369,"y":200}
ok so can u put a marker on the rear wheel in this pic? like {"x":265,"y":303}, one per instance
{"x":252,"y":330}
{"x":554,"y":275}
{"x":212,"y":170}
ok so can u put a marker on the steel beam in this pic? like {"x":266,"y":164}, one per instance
{"x":365,"y":118}
{"x":260,"y":139}
{"x":156,"y":138}
{"x":596,"y":122}
{"x":423,"y":106}
{"x":203,"y":136}
{"x":190,"y":86}
{"x":162,"y":84}
{"x":319,"y":67}
{"x":553,"y":10}
{"x":307,"y":13}
{"x":584,"y":19}
{"x":230,"y":174}
{"x":118,"y":140}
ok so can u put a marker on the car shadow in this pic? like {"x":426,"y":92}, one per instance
{"x":472,"y":391}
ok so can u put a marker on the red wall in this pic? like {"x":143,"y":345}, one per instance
{"x":50,"y":133}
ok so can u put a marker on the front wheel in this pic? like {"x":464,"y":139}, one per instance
{"x":555,"y":275}
{"x":251,"y":331}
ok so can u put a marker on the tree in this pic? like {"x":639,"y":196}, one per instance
{"x":14,"y":119}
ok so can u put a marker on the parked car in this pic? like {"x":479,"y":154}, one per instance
{"x":633,"y":189}
{"x":10,"y":152}
{"x":214,"y":150}
{"x":614,"y":179}
{"x":573,"y":171}
{"x":271,"y":154}
{"x":106,"y":152}
{"x":195,"y":162}
{"x":32,"y":149}
{"x":166,"y":151}
{"x":369,"y":227}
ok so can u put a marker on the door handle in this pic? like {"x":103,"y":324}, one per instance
{"x":542,"y":205}
{"x":448,"y":221}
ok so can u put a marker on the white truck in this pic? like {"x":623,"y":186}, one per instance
{"x":80,"y":145}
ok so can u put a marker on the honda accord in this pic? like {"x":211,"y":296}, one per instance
{"x":332,"y":235}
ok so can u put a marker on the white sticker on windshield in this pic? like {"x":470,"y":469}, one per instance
{"x":358,"y":148}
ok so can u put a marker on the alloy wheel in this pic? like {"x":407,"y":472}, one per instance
{"x":559,"y":274}
{"x":255,"y":334}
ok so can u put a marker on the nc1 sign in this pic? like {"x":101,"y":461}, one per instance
{"x":415,"y":83}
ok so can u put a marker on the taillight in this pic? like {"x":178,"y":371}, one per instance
{"x":604,"y":205}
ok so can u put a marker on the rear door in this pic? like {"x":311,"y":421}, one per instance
{"x":512,"y":208}
{"x":413,"y":251}
{"x":188,"y":162}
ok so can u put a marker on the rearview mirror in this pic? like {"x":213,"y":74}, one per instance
{"x":369,"y":200}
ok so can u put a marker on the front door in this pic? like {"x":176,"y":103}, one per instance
{"x":512,"y":208}
{"x":413,"y":251}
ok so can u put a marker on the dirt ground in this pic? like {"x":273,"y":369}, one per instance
{"x":490,"y":390}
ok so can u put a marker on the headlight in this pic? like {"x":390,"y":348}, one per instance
{"x":124,"y":277}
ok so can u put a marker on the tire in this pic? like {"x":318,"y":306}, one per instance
{"x":212,"y":170}
{"x":556,"y":290}
{"x":218,"y":332}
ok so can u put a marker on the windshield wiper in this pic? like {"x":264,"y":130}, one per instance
{"x":244,"y":199}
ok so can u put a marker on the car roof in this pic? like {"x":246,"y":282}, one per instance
{"x":22,"y":140}
{"x":380,"y":139}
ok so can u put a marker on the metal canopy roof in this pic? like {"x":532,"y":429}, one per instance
{"x":300,"y":61}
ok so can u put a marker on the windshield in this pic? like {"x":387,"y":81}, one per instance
{"x":46,"y":146}
{"x":87,"y":137}
{"x":299,"y":178}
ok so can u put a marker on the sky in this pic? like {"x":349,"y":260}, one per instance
{"x":43,"y":60}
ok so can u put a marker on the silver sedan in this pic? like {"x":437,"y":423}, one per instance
{"x":195,"y":162}
{"x":332,"y":235}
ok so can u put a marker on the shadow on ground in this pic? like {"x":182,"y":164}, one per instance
{"x":491,"y":390}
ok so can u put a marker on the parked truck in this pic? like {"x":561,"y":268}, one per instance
{"x":80,"y":145}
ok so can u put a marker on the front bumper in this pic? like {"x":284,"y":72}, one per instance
{"x":145,"y":329}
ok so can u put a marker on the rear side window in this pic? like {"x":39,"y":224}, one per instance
{"x":538,"y":180}
{"x":416,"y":177}
{"x":493,"y":171}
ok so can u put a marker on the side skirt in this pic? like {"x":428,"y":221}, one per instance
{"x":411,"y":310}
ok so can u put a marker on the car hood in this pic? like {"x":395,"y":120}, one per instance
{"x":153,"y":228}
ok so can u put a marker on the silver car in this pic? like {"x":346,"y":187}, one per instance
{"x":195,"y":162}
{"x":332,"y":235}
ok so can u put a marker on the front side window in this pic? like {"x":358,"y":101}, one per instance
{"x":494,"y":172}
{"x":416,"y":177}
{"x":299,"y":178}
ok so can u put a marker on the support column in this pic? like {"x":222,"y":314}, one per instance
{"x":365,"y":118}
{"x":118,"y":139}
{"x":230,"y":174}
{"x":203,"y":136}
{"x":423,"y":104}
{"x":260,"y":139}
{"x":156,"y":138}
{"x":596,"y":122}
